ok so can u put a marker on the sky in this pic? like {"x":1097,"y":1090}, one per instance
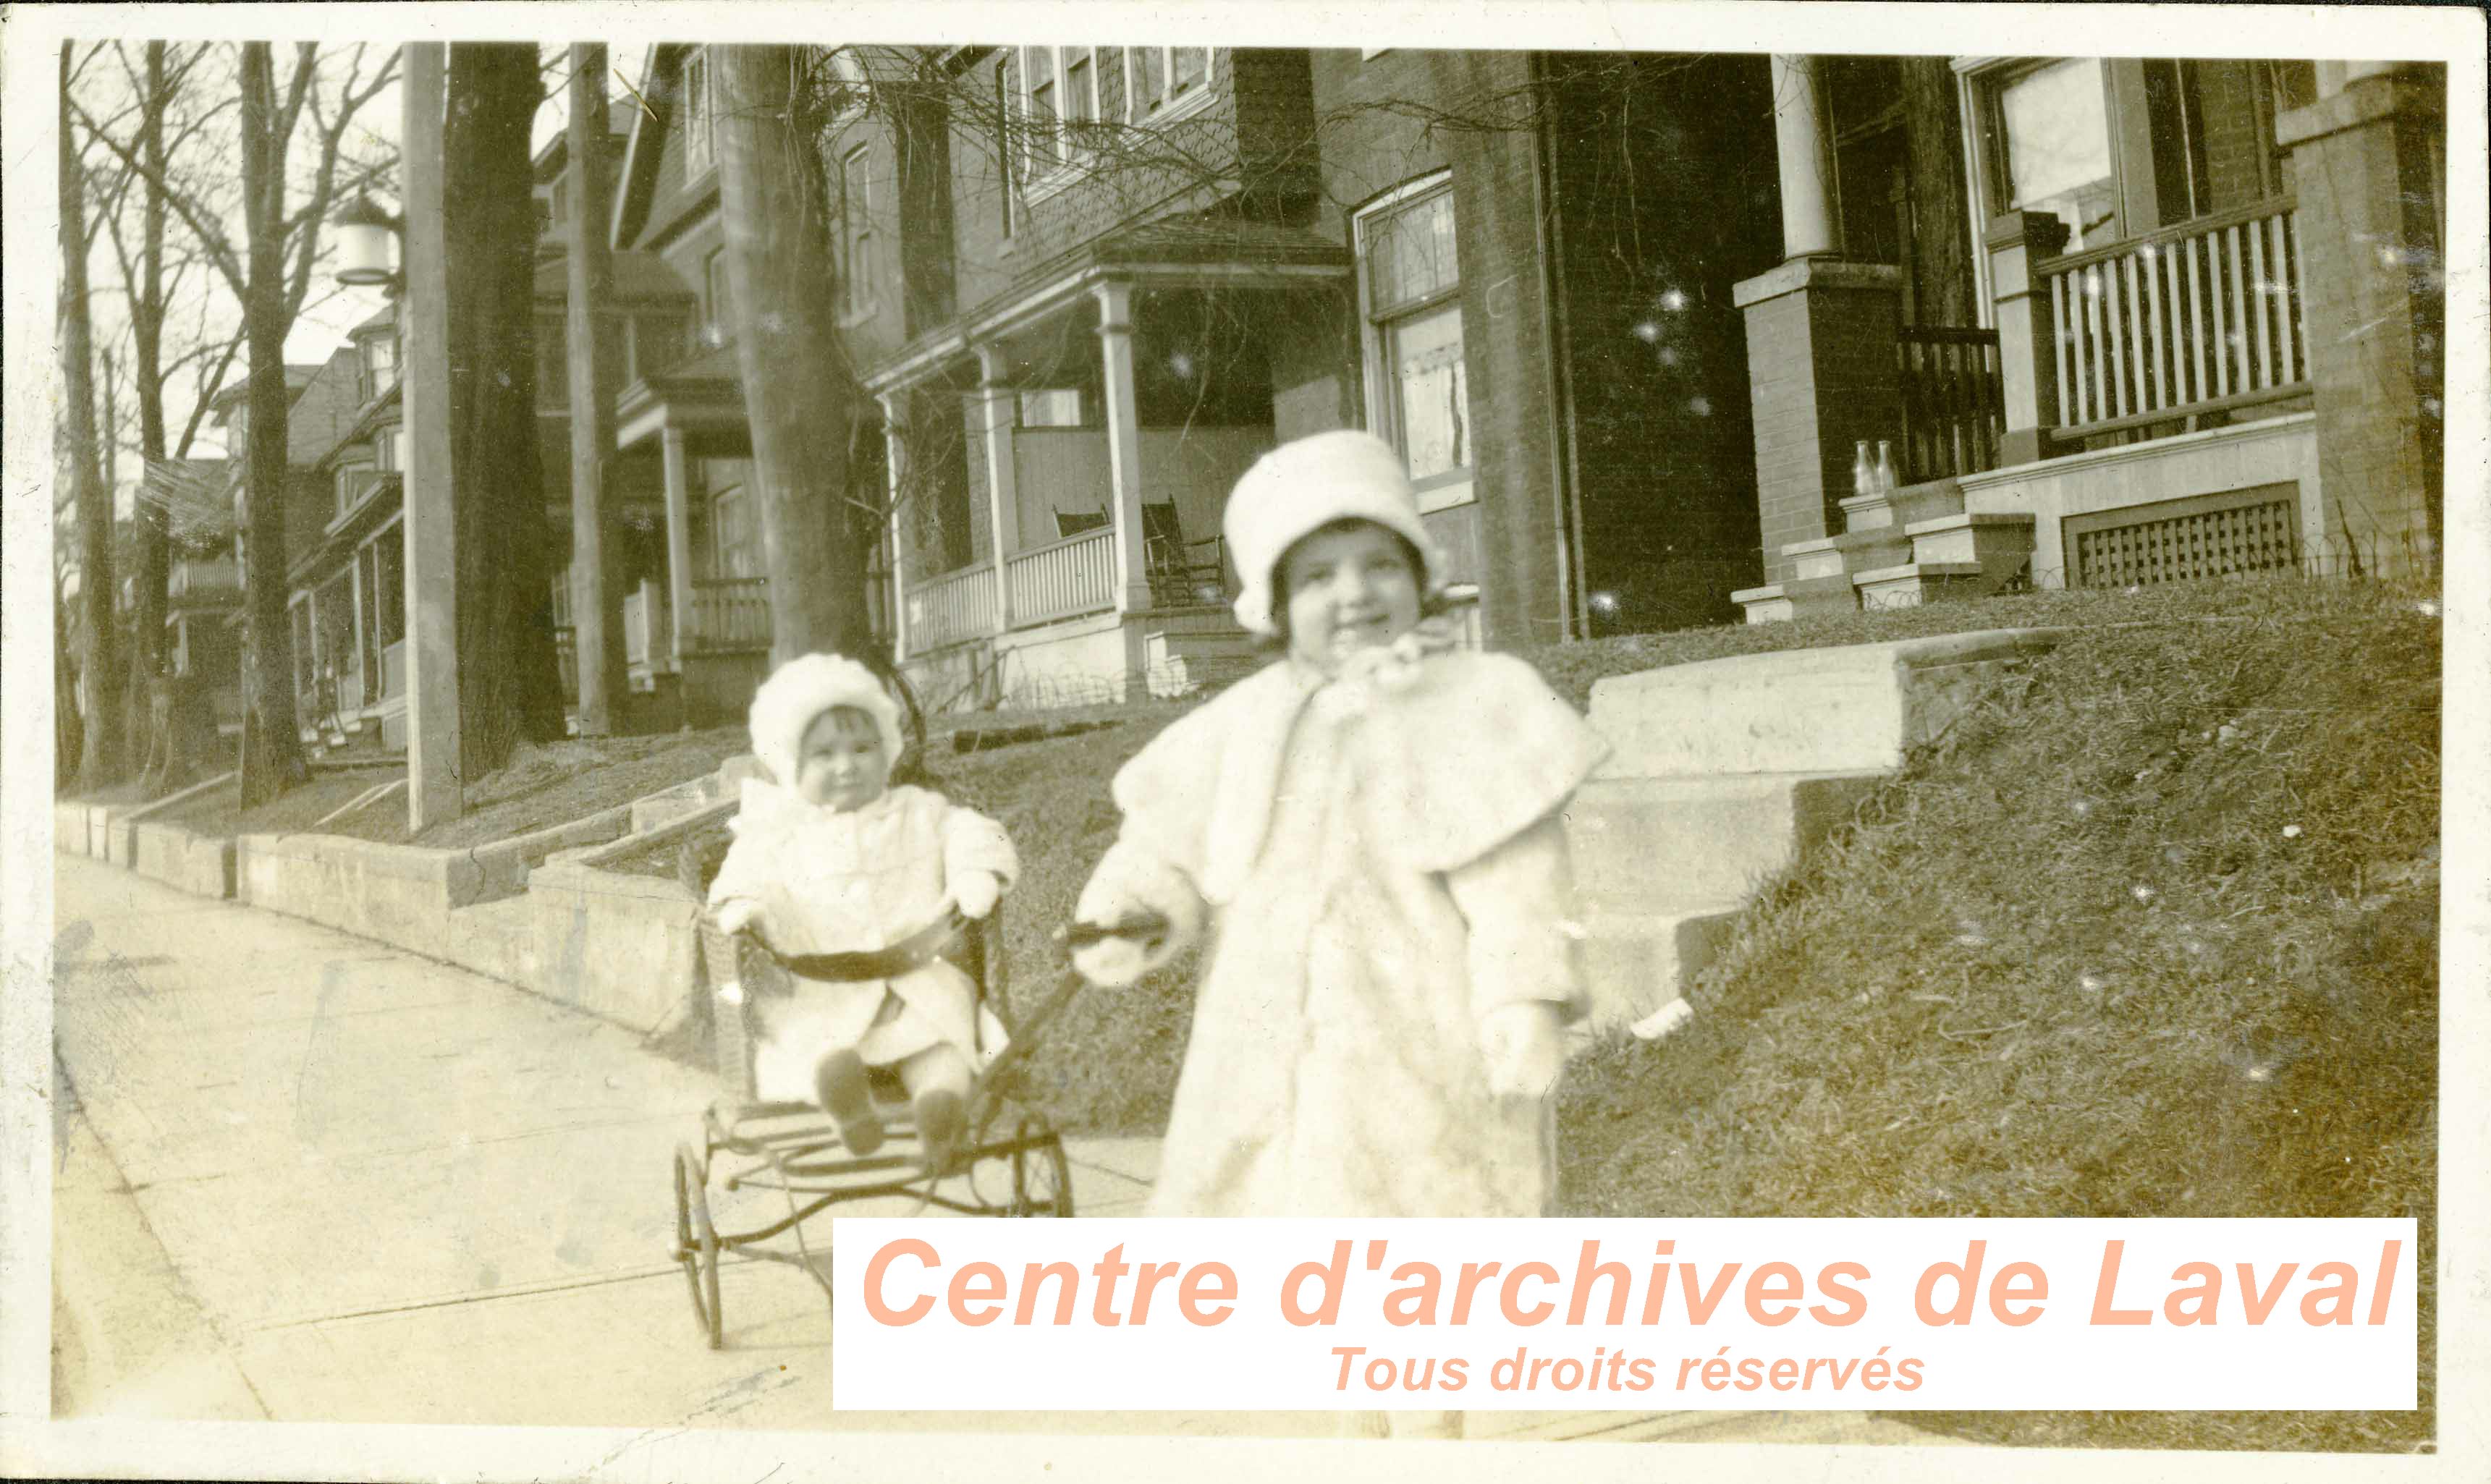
{"x":335,"y":308}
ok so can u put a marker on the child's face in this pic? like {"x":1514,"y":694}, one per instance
{"x":1350,"y":587}
{"x":842,"y":764}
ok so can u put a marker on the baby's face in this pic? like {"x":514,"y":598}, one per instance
{"x":1350,"y":587}
{"x":842,"y":764}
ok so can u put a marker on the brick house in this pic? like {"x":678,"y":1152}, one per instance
{"x":1628,"y":336}
{"x":2150,"y":319}
{"x":1087,"y":286}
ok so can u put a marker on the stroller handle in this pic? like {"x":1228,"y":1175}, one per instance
{"x":1149,"y":928}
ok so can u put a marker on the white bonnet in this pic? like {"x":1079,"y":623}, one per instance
{"x":1300,"y":487}
{"x":796,"y":695}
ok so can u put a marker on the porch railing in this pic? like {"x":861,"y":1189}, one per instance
{"x":1074,"y":575}
{"x":1953,"y":405}
{"x":729,"y":613}
{"x":217,"y":578}
{"x":954,"y":606}
{"x":2197,"y":318}
{"x":565,"y":662}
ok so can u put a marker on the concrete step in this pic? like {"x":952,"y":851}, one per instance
{"x":1914,"y":583}
{"x":2000,"y":544}
{"x":1654,"y":844}
{"x":1929,"y":499}
{"x":1851,"y":709}
{"x":1636,"y":962}
{"x":1798,"y":597}
{"x":1835,"y":556}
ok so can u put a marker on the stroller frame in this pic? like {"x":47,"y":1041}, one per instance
{"x":795,"y":1149}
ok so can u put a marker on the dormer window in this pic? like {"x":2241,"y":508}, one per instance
{"x":699,"y":113}
{"x":1161,"y":80}
{"x":379,"y":364}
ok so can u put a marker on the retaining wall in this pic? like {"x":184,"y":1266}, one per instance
{"x":203,"y":864}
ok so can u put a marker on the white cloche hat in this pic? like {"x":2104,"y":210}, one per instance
{"x":1302,"y":486}
{"x":796,"y":695}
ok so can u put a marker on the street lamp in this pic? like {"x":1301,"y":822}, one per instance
{"x":368,"y":246}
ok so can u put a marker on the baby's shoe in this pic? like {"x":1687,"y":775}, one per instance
{"x":840,"y":1083}
{"x":942,"y":1117}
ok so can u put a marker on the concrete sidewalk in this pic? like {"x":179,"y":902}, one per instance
{"x":303,"y":1176}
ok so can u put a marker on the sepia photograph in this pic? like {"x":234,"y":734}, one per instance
{"x":666,"y":625}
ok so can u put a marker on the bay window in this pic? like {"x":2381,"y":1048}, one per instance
{"x":699,"y":113}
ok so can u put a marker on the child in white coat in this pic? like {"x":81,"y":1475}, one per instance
{"x":1372,"y":825}
{"x":828,"y":858}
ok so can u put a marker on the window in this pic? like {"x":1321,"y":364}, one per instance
{"x":2181,"y":185}
{"x":385,"y":452}
{"x":2052,"y":125}
{"x":380,"y":364}
{"x":304,"y":661}
{"x":735,"y":548}
{"x":856,"y":231}
{"x":389,"y":570}
{"x":368,"y":626}
{"x":699,"y":114}
{"x":714,"y":296}
{"x":1419,"y":386}
{"x":1055,"y":408}
{"x":354,"y":481}
{"x":1059,"y":95}
{"x":1160,"y":80}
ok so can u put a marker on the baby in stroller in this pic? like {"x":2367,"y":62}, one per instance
{"x":850,"y":883}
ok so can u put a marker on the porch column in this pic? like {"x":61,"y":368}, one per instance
{"x":679,"y":541}
{"x":895,"y":444}
{"x":2371,"y":228}
{"x":1002,"y":494}
{"x":2028,"y":351}
{"x":1123,"y":443}
{"x":1821,"y":379}
{"x":1799,"y":146}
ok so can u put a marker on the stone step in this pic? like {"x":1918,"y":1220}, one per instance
{"x":1929,"y":499}
{"x":2000,"y":544}
{"x":1851,"y":709}
{"x":1914,"y":583}
{"x":1654,"y":844}
{"x":1798,"y":597}
{"x":1836,"y":556}
{"x":1636,"y":962}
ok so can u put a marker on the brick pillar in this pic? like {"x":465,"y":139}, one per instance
{"x":2370,"y":223}
{"x":1822,"y":377}
{"x":2027,"y":355}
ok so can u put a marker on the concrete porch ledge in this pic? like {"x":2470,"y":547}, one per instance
{"x":1853,"y":708}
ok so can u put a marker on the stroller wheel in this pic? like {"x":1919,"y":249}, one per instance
{"x":696,"y":1242}
{"x":1041,"y":1176}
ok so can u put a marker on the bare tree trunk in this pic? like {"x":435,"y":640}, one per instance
{"x":153,"y":557}
{"x":273,"y":750}
{"x":509,"y":690}
{"x":100,"y":759}
{"x":596,"y":578}
{"x":798,"y":392}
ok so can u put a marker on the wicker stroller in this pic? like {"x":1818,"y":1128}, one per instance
{"x":1010,"y":1163}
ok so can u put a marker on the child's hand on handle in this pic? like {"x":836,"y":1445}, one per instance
{"x":1525,"y":1047}
{"x":976,"y":892}
{"x":1115,"y":950}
